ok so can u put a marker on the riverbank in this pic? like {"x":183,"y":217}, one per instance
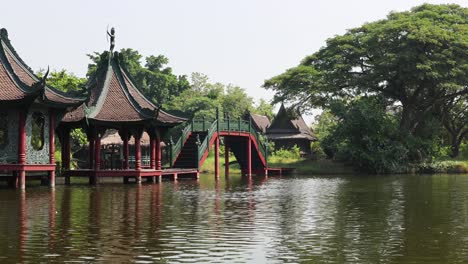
{"x":330,"y":167}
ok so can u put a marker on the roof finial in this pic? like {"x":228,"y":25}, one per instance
{"x":44,"y":78}
{"x":112,"y":39}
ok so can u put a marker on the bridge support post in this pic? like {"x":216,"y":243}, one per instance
{"x":226,"y":158}
{"x":217,"y":157}
{"x":249,"y":157}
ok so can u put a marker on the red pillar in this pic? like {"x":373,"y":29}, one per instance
{"x":158,"y":153}
{"x":153,"y":152}
{"x":21,"y":180}
{"x":138,"y":154}
{"x":125,"y":150}
{"x":97,"y":156}
{"x":52,"y":147}
{"x":91,"y":151}
{"x":66,"y":153}
{"x":249,"y":157}
{"x":226,"y":158}
{"x":217,"y":157}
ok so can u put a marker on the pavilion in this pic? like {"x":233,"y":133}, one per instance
{"x":29,"y":113}
{"x":288,"y":129}
{"x":114,"y":102}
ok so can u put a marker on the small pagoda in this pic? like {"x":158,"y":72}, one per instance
{"x":288,"y":129}
{"x":114,"y":102}
{"x":29,"y":114}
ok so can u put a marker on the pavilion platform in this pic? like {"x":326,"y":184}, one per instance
{"x":172,"y":173}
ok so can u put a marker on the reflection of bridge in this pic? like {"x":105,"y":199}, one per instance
{"x":190,"y":151}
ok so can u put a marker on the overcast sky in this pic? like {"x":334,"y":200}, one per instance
{"x":242,"y":42}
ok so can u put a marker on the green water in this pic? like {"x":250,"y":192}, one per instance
{"x":349,"y":219}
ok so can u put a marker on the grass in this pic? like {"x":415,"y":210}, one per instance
{"x":444,"y":166}
{"x":306,"y":166}
{"x":209,"y":164}
{"x":302,"y":166}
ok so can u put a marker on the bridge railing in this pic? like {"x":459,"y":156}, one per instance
{"x":203,"y":146}
{"x":209,"y":126}
{"x":176,"y":148}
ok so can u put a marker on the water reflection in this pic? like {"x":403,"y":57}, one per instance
{"x":391,"y":219}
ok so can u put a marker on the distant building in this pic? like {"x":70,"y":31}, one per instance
{"x":259,"y":122}
{"x":287,"y":129}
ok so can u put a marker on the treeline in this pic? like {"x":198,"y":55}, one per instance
{"x":394,"y":92}
{"x":192,"y":97}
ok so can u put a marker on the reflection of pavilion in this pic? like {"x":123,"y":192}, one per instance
{"x":115,"y":103}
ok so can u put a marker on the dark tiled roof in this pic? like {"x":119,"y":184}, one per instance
{"x":76,"y":115}
{"x":285,"y":124}
{"x":18,"y":82}
{"x":261,"y":121}
{"x":115,"y":99}
{"x":117,"y":106}
{"x":9,"y":91}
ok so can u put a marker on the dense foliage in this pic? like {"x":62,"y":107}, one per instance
{"x":393,"y":85}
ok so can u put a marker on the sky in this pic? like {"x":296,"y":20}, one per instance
{"x":239,"y":42}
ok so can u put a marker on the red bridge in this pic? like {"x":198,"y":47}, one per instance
{"x":247,"y":145}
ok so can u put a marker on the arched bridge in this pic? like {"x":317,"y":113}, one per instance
{"x":239,"y":137}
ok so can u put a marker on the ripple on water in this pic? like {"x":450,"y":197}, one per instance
{"x":385,"y":219}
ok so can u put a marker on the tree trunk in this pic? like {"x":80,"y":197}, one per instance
{"x":455,"y":147}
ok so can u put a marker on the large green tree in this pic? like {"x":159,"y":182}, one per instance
{"x":264,"y":108}
{"x":455,"y":120}
{"x":203,"y":98}
{"x":416,"y":59}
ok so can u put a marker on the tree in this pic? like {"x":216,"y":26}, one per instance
{"x":366,"y":135}
{"x":415,"y":59}
{"x":264,"y":108}
{"x":236,"y":102}
{"x":199,"y":101}
{"x":65,"y":81}
{"x":455,"y":120}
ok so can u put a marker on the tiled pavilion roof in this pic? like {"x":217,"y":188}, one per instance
{"x":287,"y":126}
{"x":18,"y":83}
{"x":113,"y":98}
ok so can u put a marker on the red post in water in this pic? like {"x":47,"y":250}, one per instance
{"x":138,"y":154}
{"x":125,"y":149}
{"x":217,"y":156}
{"x":137,"y":151}
{"x":153,"y":151}
{"x":52,"y":147}
{"x":226,"y":158}
{"x":158,"y":153}
{"x":21,"y":180}
{"x":249,"y":157}
{"x":91,"y":150}
{"x":97,"y":156}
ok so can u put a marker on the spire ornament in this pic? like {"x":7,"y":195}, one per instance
{"x":112,"y":38}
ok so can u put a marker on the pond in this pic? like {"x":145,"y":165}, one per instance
{"x":321,"y":219}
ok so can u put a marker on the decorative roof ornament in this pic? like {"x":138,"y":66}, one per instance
{"x":112,"y":39}
{"x":44,"y":78}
